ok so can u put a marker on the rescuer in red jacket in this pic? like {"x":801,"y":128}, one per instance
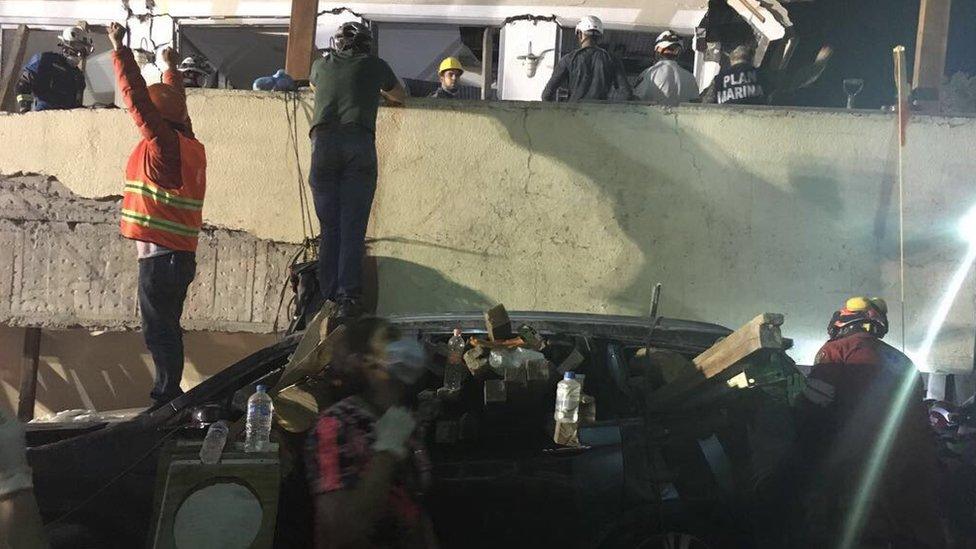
{"x":162,"y":207}
{"x":868,"y":453}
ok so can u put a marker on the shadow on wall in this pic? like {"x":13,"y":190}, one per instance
{"x":113,"y":370}
{"x":752,"y":223}
{"x":414,"y":288}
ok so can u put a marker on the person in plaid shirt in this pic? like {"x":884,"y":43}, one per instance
{"x":366,"y":467}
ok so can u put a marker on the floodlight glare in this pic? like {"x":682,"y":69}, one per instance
{"x":967,"y":226}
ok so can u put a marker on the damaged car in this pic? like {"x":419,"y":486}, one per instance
{"x":674,"y":453}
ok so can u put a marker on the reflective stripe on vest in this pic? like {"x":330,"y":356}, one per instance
{"x":159,"y":223}
{"x":161,"y":195}
{"x":168,"y":217}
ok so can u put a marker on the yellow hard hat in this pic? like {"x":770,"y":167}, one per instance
{"x":450,"y":63}
{"x":861,"y":303}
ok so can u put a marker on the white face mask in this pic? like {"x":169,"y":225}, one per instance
{"x":406,"y":360}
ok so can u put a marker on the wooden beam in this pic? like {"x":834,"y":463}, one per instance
{"x":301,"y":38}
{"x":930,"y":53}
{"x":11,"y":69}
{"x":762,"y":332}
{"x":30,"y":360}
{"x":728,"y":357}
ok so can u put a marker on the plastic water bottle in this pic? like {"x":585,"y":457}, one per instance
{"x":258,"y":431}
{"x":213,"y":444}
{"x":455,"y":348}
{"x":455,"y":371}
{"x":567,"y":399}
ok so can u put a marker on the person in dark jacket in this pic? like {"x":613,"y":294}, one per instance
{"x":162,"y":206}
{"x":590,"y":72}
{"x":348,"y":82}
{"x":742,"y":83}
{"x":868,"y":455}
{"x":53,"y":80}
{"x":449,"y":74}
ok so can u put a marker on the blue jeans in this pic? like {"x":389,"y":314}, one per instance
{"x":163,"y":281}
{"x":343,"y":181}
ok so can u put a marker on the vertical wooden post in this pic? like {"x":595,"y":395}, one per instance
{"x":930,"y":52}
{"x":904,"y":111}
{"x":28,"y":374}
{"x":11,"y":69}
{"x":487,"y":61}
{"x":301,"y":38}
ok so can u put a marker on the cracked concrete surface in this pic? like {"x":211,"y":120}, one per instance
{"x":63,"y":264}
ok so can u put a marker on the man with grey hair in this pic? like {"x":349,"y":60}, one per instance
{"x":666,"y":82}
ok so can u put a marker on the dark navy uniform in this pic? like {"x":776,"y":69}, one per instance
{"x":740,"y":84}
{"x":50,"y":81}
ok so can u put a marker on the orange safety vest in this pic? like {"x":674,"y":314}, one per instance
{"x":168,"y":217}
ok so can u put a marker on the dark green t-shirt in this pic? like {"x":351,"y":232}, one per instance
{"x":347,"y":88}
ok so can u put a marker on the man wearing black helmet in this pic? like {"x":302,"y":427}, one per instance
{"x":348,"y":82}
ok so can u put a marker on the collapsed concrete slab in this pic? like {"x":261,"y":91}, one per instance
{"x":63,"y":264}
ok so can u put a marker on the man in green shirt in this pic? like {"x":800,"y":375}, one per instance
{"x":348,"y":82}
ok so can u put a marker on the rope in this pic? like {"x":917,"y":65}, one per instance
{"x":291,"y":113}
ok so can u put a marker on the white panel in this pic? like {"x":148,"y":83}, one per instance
{"x":518,"y":39}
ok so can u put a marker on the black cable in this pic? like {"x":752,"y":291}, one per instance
{"x":303,"y":196}
{"x":337,"y":11}
{"x":114,"y":479}
{"x":527,"y":17}
{"x":284,"y":287}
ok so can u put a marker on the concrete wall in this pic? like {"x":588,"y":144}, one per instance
{"x":585,"y":207}
{"x":64,"y":264}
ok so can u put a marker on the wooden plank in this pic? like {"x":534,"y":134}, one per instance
{"x":930,"y":52}
{"x":762,"y":332}
{"x":28,"y":374}
{"x":301,"y":38}
{"x":11,"y":69}
{"x":727,"y":357}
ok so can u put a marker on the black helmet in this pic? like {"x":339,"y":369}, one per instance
{"x":352,"y":35}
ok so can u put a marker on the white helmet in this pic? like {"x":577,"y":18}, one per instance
{"x":590,"y":24}
{"x":196,"y":65}
{"x":667,"y":39}
{"x":76,"y":40}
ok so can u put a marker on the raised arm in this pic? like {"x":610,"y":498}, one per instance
{"x":174,"y":78}
{"x":135,"y":94}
